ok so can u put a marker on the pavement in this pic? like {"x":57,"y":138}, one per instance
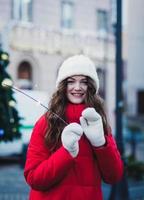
{"x":12,"y":183}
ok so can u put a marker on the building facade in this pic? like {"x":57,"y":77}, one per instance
{"x":135,"y":58}
{"x":39,"y":35}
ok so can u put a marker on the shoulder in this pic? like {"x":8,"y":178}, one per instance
{"x":42,"y":120}
{"x":41,"y":125}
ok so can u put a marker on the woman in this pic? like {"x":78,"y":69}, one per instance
{"x":69,"y":156}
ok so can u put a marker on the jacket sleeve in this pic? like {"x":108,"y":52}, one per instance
{"x":43,"y":170}
{"x":109,"y":161}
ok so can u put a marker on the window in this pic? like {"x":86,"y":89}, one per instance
{"x":113,"y":13}
{"x":25,"y":75}
{"x":67,"y":15}
{"x":22,"y":10}
{"x":16,"y":9}
{"x":102,"y":78}
{"x":102,"y":21}
{"x":140,"y":102}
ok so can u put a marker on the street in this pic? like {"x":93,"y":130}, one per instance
{"x":12,"y":183}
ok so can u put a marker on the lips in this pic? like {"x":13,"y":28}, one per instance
{"x":77,"y":94}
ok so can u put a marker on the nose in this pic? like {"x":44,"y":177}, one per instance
{"x":77,"y":86}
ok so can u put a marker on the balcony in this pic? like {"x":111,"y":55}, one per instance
{"x":35,"y":39}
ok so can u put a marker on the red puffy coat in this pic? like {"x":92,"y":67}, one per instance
{"x":59,"y":176}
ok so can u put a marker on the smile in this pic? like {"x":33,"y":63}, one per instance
{"x":77,"y":94}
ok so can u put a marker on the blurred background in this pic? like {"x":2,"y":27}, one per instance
{"x":35,"y":37}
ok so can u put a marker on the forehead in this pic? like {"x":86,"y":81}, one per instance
{"x":78,"y":77}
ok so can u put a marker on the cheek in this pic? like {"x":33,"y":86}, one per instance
{"x":69,"y":89}
{"x":85,"y":89}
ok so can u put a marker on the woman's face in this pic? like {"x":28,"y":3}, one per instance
{"x":76,"y":88}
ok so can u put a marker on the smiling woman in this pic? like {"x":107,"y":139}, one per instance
{"x":70,"y":161}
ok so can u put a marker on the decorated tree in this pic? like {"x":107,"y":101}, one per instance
{"x":9,"y":118}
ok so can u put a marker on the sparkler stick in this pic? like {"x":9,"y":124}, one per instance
{"x":30,"y":97}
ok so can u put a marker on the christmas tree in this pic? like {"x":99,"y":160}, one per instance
{"x":9,"y":118}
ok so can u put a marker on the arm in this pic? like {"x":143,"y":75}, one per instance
{"x":109,"y":160}
{"x":105,"y":148}
{"x":43,"y":170}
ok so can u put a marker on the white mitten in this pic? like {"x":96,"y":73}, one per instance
{"x":70,"y":137}
{"x":92,"y":125}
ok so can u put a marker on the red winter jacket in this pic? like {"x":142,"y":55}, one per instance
{"x":61,"y":177}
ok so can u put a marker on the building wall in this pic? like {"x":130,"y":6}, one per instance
{"x":48,"y":13}
{"x":135,"y":49}
{"x":5,"y":12}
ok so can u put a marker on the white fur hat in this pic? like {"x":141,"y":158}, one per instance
{"x":78,"y":65}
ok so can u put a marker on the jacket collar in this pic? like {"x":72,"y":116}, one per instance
{"x":73,"y":112}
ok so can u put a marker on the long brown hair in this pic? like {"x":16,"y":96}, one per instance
{"x":57,"y":105}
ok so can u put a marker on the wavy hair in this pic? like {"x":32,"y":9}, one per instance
{"x":57,"y":105}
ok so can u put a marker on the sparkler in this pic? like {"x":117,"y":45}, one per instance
{"x":32,"y":98}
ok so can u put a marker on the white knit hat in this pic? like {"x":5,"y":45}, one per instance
{"x":78,"y":65}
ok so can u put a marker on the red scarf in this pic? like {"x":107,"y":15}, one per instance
{"x":73,"y":112}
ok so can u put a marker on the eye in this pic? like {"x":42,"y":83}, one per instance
{"x":70,"y":81}
{"x":84,"y":81}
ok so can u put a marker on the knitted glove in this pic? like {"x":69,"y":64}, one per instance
{"x":70,"y":137}
{"x":92,"y":125}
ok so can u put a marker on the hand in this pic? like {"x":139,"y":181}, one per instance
{"x":92,"y":125}
{"x":70,"y":137}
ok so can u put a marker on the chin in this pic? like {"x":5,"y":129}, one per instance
{"x":76,"y":101}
